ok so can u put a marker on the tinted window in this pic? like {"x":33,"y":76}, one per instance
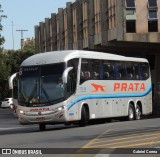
{"x":72,"y":76}
{"x":120,"y":70}
{"x":95,"y":69}
{"x":152,"y":3}
{"x":113,"y":70}
{"x":145,"y":71}
{"x":130,"y":71}
{"x":130,"y":3}
{"x":109,"y":72}
{"x":55,"y":69}
{"x":137,"y":71}
{"x":85,"y":70}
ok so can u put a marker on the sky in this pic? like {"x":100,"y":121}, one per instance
{"x":24,"y":15}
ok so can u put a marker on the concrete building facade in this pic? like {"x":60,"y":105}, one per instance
{"x":126,"y":27}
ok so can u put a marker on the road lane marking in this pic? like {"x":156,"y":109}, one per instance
{"x":125,"y":142}
{"x":82,"y":149}
{"x":140,"y":144}
{"x":126,"y":137}
{"x":133,"y":132}
{"x":13,"y":128}
{"x":92,"y":141}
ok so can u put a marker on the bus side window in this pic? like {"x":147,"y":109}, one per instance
{"x":145,"y":71}
{"x":130,"y":71}
{"x":96,"y":69}
{"x":108,"y":70}
{"x":120,"y":71}
{"x":85,"y":72}
{"x":72,"y":76}
{"x":137,"y":71}
{"x":117,"y":72}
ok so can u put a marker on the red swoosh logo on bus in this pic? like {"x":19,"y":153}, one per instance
{"x":98,"y":87}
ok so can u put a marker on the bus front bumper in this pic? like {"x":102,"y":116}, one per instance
{"x":48,"y":117}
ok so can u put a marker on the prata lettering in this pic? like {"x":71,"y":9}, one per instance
{"x":129,"y":87}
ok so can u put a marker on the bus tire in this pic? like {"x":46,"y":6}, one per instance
{"x":138,"y":113}
{"x":131,"y":115}
{"x":83,"y":120}
{"x":42,"y":127}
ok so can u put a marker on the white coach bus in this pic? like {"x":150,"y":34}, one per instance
{"x":77,"y":86}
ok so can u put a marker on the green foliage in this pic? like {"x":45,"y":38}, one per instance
{"x":29,"y":46}
{"x":10,"y":62}
{"x":2,"y":40}
{"x":5,"y":69}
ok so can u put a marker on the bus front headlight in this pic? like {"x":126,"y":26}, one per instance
{"x":21,"y":112}
{"x":60,"y":108}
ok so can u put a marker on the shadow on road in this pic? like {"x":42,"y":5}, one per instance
{"x":10,"y":125}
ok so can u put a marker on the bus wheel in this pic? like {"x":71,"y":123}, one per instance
{"x":131,"y":112}
{"x":42,"y":127}
{"x":138,"y":113}
{"x":83,"y":120}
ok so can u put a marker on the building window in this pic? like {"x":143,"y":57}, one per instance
{"x":130,"y":26}
{"x":130,"y":4}
{"x":153,"y":26}
{"x":152,"y":3}
{"x":130,"y":16}
{"x":152,"y":15}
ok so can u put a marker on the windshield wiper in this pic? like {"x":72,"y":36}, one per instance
{"x":45,"y":93}
{"x":33,"y":92}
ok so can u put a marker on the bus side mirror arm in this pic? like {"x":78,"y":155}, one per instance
{"x":11,"y":78}
{"x":65,"y":74}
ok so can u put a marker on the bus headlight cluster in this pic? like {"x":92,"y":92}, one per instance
{"x":21,"y":112}
{"x":60,"y":108}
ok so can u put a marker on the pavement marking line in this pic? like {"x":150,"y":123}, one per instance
{"x":92,"y":141}
{"x":129,"y":133}
{"x":13,"y":128}
{"x":82,"y":149}
{"x":129,"y":137}
{"x":110,"y":144}
{"x":140,"y":144}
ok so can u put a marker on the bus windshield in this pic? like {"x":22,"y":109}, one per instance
{"x":41,"y":85}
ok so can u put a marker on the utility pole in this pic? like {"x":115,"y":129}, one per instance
{"x":12,"y":35}
{"x":22,"y":30}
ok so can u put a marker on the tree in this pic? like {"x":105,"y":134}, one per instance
{"x":2,"y":40}
{"x":17,"y":57}
{"x":29,"y":46}
{"x":11,"y":60}
{"x":5,"y":69}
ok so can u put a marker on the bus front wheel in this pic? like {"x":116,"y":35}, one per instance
{"x":83,"y":120}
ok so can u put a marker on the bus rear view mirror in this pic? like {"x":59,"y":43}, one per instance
{"x":65,"y":74}
{"x":11,"y":78}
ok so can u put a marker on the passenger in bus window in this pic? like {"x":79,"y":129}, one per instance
{"x":60,"y":84}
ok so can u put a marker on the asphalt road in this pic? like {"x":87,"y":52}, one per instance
{"x":93,"y":139}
